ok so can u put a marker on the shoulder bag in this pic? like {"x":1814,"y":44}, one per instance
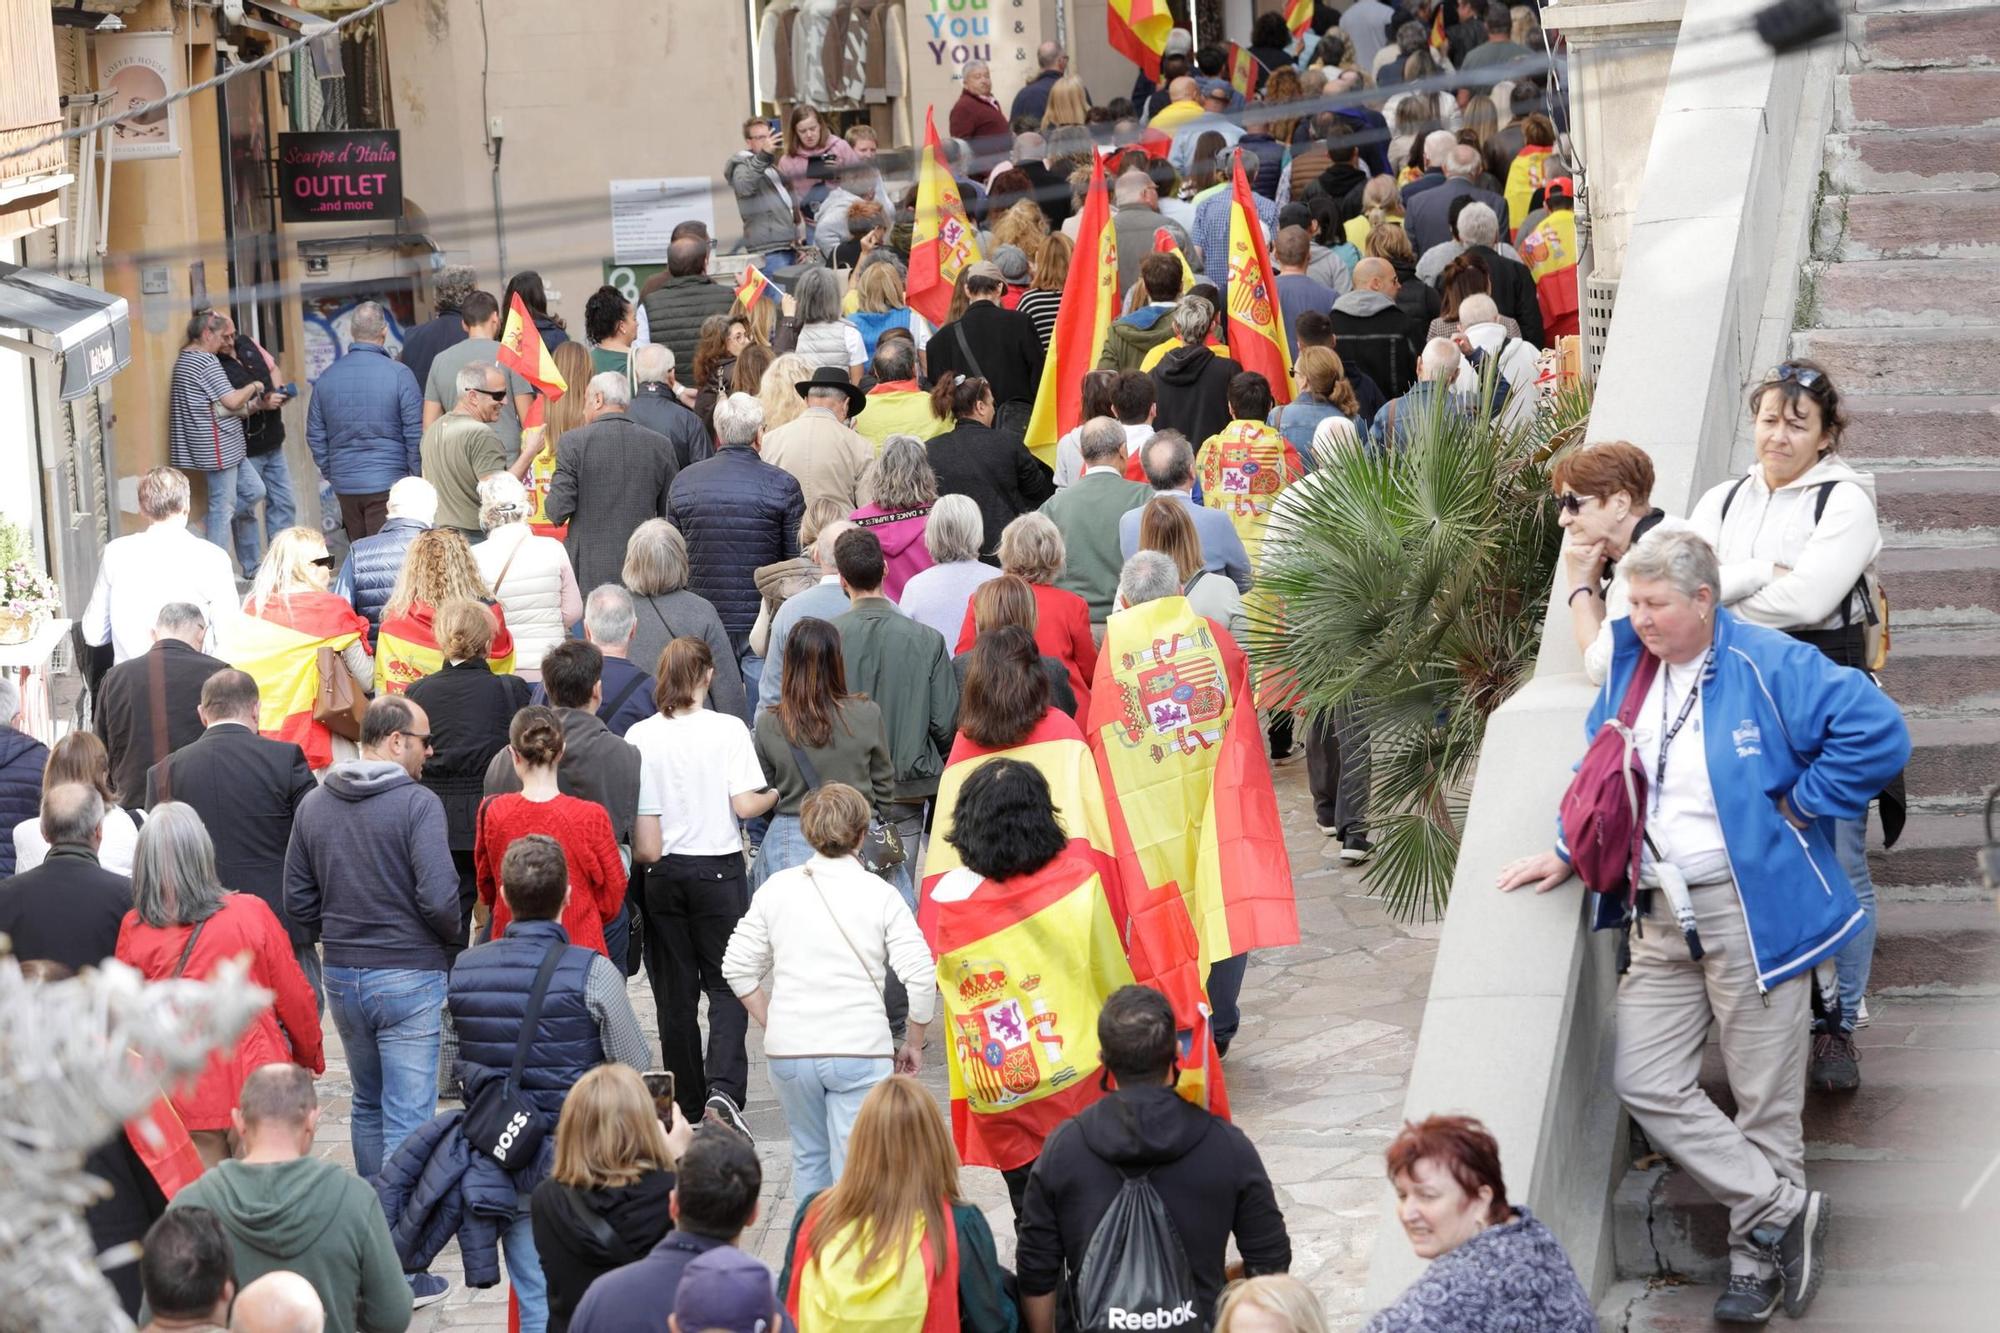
{"x":499,"y":1121}
{"x":1603,"y":812}
{"x":881,"y":848}
{"x":881,"y":987}
{"x":338,"y":703}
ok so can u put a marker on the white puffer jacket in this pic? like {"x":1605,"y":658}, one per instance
{"x":1766,"y":530}
{"x":539,"y":592}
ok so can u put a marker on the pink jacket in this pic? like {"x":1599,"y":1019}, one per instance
{"x":792,"y":166}
{"x":902,"y":536}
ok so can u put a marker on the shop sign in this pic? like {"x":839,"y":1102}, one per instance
{"x":340,"y":176}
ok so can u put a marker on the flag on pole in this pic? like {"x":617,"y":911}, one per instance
{"x":1089,"y":303}
{"x":1256,"y":325}
{"x":943,"y":243}
{"x":523,"y":352}
{"x":1165,"y":244}
{"x":1298,"y":16}
{"x":753,"y":287}
{"x":1138,"y":31}
{"x":1440,"y":43}
{"x":1241,"y":71}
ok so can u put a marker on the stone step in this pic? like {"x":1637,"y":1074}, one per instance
{"x":1905,"y":361}
{"x":1941,"y":585}
{"x":1936,"y":849}
{"x":1939,"y":948}
{"x":1930,"y":34}
{"x":1878,"y":161}
{"x":1962,"y":1305}
{"x":1928,"y":428}
{"x":1908,"y":293}
{"x":1917,"y":99}
{"x":1953,"y":756}
{"x":1895,"y":1221}
{"x":1935,"y":500}
{"x":1917,"y":226}
{"x":1943,"y":669}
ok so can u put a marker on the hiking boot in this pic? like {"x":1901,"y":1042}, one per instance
{"x":1836,"y":1062}
{"x":722,"y":1107}
{"x":1750,"y":1299}
{"x":427,"y":1289}
{"x":1801,"y":1253}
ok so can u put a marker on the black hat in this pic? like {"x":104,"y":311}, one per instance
{"x":833,"y":377}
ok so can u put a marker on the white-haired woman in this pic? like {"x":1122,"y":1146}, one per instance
{"x":528,"y":574}
{"x":656,"y":574}
{"x":290,"y":592}
{"x":941,"y":595}
{"x":898,"y":490}
{"x":814,"y":329}
{"x":183,"y":923}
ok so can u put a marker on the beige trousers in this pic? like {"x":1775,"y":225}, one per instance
{"x":1666,"y":1003}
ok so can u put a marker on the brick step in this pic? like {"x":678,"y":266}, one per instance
{"x":1917,"y":99}
{"x":1918,"y":226}
{"x":1905,"y":361}
{"x":1953,"y":756}
{"x":1944,"y":669}
{"x":1937,"y":500}
{"x":1928,"y":428}
{"x":1880,"y":161}
{"x":1937,"y":848}
{"x":1962,"y":1305}
{"x":1891,"y":1220}
{"x":1937,"y":585}
{"x":1930,"y":33}
{"x":1909,"y":293}
{"x":1939,"y":948}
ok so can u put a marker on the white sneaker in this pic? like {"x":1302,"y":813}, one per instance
{"x":1861,"y":1018}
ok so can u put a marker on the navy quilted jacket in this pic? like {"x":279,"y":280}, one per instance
{"x":436,"y":1187}
{"x":368,"y":575}
{"x":21,"y":760}
{"x":365,"y":422}
{"x":489,"y":995}
{"x":737,"y":513}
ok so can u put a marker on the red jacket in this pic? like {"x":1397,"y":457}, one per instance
{"x":1062,"y":631}
{"x":597,"y":875}
{"x":243,"y":925}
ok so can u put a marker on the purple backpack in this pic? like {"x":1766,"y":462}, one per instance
{"x":1603,"y":812}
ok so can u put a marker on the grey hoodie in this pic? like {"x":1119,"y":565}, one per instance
{"x":1361,"y":303}
{"x":369,"y":870}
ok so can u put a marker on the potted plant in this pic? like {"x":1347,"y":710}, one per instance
{"x":27,"y":595}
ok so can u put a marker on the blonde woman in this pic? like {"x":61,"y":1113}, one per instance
{"x":1380,"y":203}
{"x":1068,"y":104}
{"x":1044,"y":295}
{"x":777,"y":392}
{"x":563,"y":414}
{"x":1167,"y":526}
{"x":1023,"y":226}
{"x":530,"y":575}
{"x":1273,"y":1303}
{"x":605,"y":1202}
{"x":881,"y":304}
{"x":1323,"y":395}
{"x":288,"y":617}
{"x":438,"y":569}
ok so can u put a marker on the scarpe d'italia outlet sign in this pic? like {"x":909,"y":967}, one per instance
{"x":340,"y":175}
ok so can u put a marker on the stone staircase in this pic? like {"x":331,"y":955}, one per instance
{"x":1901,"y":301}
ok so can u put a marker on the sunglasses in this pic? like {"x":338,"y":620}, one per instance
{"x":1791,"y":373}
{"x":423,"y":738}
{"x":497,"y":395}
{"x":1572,"y":503}
{"x":324,"y":561}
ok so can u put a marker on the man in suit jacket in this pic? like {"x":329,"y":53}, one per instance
{"x":1088,"y":513}
{"x":612,"y":474}
{"x":67,"y":909}
{"x":246,"y":788}
{"x":993,"y":343}
{"x":1428,"y":219}
{"x":146,"y":705}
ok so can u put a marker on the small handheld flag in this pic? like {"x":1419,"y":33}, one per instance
{"x":753,"y":287}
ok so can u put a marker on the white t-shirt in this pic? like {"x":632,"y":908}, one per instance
{"x":114,"y":853}
{"x":1682,"y":818}
{"x":689,"y":767}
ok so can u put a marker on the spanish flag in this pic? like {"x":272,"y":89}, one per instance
{"x":523,"y":352}
{"x":1241,"y":71}
{"x":1256,"y":326}
{"x":1549,"y":248}
{"x":278,"y":644}
{"x":753,"y":287}
{"x":943,"y":243}
{"x":1298,"y":16}
{"x":407,"y":649}
{"x":1243,"y":469}
{"x":1440,"y":42}
{"x":1024,"y":966}
{"x":1090,"y":302}
{"x":1187,"y":787}
{"x":1137,"y":30}
{"x":1165,"y":244}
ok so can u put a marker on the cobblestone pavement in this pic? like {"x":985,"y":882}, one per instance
{"x":1316,"y":1079}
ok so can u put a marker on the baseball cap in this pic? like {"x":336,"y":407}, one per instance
{"x":1560,"y":185}
{"x":727,"y":1289}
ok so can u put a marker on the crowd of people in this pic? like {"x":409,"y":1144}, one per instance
{"x":769,"y":661}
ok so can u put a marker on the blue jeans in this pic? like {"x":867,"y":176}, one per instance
{"x":231,"y":489}
{"x":389,"y":1020}
{"x":821,"y":1095}
{"x":783,"y":847}
{"x":1857,"y":956}
{"x":1225,"y":983}
{"x":753,"y":680}
{"x":308,"y":956}
{"x":773,"y":260}
{"x":524,"y":1274}
{"x":270,"y":473}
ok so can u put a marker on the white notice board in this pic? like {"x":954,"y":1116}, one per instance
{"x":644,"y":214}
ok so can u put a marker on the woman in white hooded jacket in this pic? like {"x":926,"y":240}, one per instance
{"x":530,"y":575}
{"x":1794,"y":536}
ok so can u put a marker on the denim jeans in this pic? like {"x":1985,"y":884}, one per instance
{"x":524,"y":1274}
{"x":389,"y":1022}
{"x":1857,"y":955}
{"x":753,"y":680}
{"x":229,"y":490}
{"x":783,"y":847}
{"x":821,"y":1095}
{"x":281,"y":510}
{"x":1225,"y":983}
{"x":308,"y":956}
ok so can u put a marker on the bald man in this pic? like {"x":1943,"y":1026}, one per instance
{"x":1183,"y":105}
{"x":1375,"y":334}
{"x":278,"y":1303}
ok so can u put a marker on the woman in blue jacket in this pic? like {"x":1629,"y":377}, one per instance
{"x":1753,"y":744}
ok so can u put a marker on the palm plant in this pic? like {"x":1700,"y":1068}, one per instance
{"x":1410,"y":585}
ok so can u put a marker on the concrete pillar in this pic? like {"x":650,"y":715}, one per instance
{"x":1619,"y":54}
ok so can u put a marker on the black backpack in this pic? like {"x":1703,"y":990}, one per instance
{"x":1135,"y":1271}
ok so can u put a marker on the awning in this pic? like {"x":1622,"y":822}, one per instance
{"x":87,"y":330}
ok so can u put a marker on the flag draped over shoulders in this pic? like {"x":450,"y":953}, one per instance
{"x":406,"y":649}
{"x":1024,"y":966}
{"x":942,"y":243}
{"x":1083,"y":319}
{"x":278,"y":644}
{"x":1243,"y":470}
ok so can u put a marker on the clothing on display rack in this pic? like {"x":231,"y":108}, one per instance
{"x":832,"y":54}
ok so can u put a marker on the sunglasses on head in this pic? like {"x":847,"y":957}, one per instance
{"x":1573,"y":503}
{"x":1792,"y":373}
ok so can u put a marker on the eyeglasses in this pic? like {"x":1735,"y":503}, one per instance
{"x":1793,"y":373}
{"x":1572,"y":503}
{"x":423,"y":738}
{"x":497,"y":395}
{"x":323,"y":561}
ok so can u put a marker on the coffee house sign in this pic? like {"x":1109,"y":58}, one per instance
{"x":340,"y":176}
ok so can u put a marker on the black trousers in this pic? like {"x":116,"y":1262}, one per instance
{"x":692,"y":905}
{"x":1337,"y":772}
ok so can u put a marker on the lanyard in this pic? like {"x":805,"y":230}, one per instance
{"x":1668,"y":733}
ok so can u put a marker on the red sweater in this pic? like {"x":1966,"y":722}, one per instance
{"x":596,"y":874}
{"x":1062,"y":631}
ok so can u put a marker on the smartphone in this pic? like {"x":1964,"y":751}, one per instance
{"x":660,"y":1082}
